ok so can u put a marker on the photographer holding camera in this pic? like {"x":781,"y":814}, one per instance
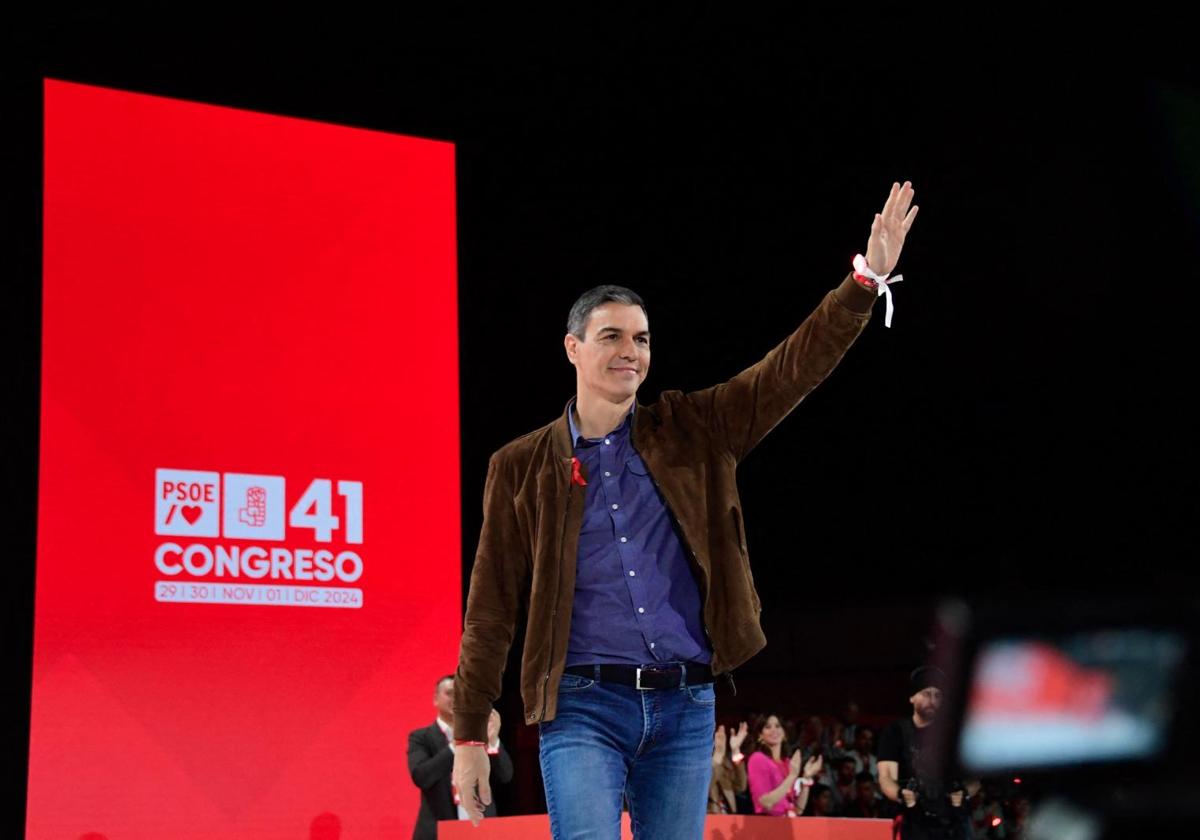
{"x":931,"y":805}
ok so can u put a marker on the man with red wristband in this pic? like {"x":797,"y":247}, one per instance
{"x":617,"y":529}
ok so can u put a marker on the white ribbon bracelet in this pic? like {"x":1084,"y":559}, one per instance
{"x":860,"y":267}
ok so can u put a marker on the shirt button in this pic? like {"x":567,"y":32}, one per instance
{"x":615,"y":507}
{"x":624,"y":539}
{"x":633,"y":574}
{"x":607,"y":442}
{"x":641,"y":609}
{"x":651,"y":648}
{"x":607,"y":474}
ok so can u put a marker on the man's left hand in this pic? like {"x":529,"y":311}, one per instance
{"x":890,"y":228}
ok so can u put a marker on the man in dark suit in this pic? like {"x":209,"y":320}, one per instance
{"x":431,"y":759}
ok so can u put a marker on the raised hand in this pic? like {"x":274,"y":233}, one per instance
{"x":890,"y":228}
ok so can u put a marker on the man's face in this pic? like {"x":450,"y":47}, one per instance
{"x":926,"y":703}
{"x":845,"y":772}
{"x":864,"y":740}
{"x":443,"y":699}
{"x":614,"y":357}
{"x":866,"y":791}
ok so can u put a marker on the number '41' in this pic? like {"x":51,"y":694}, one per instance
{"x":315,"y":510}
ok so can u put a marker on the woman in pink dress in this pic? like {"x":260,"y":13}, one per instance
{"x":777,"y":785}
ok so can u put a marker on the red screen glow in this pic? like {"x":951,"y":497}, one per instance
{"x":248,"y":541}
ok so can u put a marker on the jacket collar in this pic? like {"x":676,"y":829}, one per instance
{"x":644,"y":419}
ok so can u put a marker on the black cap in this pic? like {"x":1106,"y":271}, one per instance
{"x":926,"y":677}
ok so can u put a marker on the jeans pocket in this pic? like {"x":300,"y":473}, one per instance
{"x":702,"y":694}
{"x":574,"y":682}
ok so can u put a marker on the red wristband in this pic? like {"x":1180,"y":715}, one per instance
{"x":866,"y":282}
{"x":461,"y":742}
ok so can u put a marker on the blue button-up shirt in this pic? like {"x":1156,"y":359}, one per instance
{"x":636,"y":599}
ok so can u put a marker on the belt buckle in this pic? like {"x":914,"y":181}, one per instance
{"x":657,"y":669}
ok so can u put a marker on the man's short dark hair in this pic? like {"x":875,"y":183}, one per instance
{"x":864,"y":776}
{"x":593,"y":298}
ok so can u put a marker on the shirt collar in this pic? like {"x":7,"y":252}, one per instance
{"x":576,"y":438}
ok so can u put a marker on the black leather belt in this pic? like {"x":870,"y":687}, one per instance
{"x":667,"y":676}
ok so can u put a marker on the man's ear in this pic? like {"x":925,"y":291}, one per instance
{"x":571,"y":344}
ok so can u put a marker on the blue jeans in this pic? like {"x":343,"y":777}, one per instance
{"x":610,"y":743}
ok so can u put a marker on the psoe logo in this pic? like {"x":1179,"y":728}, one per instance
{"x":253,"y":506}
{"x":188,"y":503}
{"x":244,"y":506}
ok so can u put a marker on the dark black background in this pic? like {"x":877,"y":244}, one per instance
{"x":1026,"y":432}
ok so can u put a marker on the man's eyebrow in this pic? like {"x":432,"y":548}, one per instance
{"x":619,"y":330}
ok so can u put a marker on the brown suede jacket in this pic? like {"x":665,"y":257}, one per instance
{"x":692,"y":444}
